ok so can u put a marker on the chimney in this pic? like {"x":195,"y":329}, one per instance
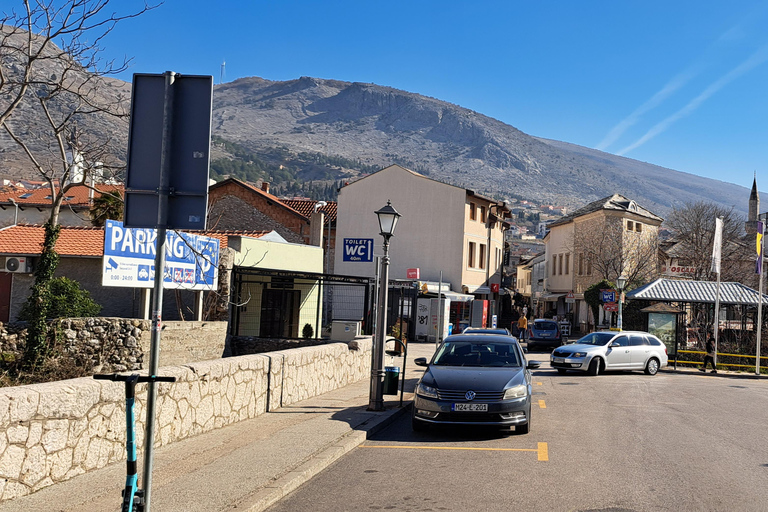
{"x":265,"y":186}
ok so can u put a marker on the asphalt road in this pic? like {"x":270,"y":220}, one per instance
{"x":616,"y":442}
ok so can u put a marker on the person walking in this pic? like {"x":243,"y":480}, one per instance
{"x":710,"y":357}
{"x":522,"y":325}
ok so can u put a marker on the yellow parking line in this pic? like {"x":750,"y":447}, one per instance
{"x":542,"y":405}
{"x":542,"y":450}
{"x":539,"y":384}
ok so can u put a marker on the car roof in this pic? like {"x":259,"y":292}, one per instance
{"x":482,"y":337}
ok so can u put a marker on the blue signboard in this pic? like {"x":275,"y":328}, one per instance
{"x":191,"y":261}
{"x":358,"y":249}
{"x":607,"y":295}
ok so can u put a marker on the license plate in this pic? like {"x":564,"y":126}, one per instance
{"x":469,"y":407}
{"x":559,"y":360}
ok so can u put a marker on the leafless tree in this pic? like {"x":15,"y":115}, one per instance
{"x":51,"y":71}
{"x":609,"y":251}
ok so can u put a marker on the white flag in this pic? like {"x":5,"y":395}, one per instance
{"x":717,"y":245}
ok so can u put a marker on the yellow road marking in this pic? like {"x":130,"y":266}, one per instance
{"x":542,"y":450}
{"x":542,"y":405}
{"x":539,"y":384}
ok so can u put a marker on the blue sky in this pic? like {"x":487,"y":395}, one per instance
{"x":679,"y":84}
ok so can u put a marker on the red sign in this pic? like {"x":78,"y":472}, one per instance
{"x":412,"y":273}
{"x":611,"y":306}
{"x":494,"y":287}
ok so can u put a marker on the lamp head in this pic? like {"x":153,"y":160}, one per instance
{"x":621,"y":282}
{"x":388,"y":217}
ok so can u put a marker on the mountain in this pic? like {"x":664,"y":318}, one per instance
{"x":328,"y":131}
{"x":378,"y":125}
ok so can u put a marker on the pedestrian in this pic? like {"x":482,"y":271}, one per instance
{"x":522,"y":324}
{"x":710,"y":357}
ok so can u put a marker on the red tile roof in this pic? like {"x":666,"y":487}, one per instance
{"x":80,"y":240}
{"x":307,"y":206}
{"x":75,"y":196}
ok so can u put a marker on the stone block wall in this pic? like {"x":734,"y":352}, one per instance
{"x":52,"y":432}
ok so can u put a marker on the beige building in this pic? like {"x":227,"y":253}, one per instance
{"x":602,"y":240}
{"x":442,"y":228}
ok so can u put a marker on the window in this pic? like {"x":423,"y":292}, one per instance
{"x":638,"y":227}
{"x":472,"y":211}
{"x":636,"y":340}
{"x":581,"y":264}
{"x":629,"y":225}
{"x":567,"y":263}
{"x":481,"y":263}
{"x":471,"y":255}
{"x":482,"y":214}
{"x":560,"y":265}
{"x":589,"y":267}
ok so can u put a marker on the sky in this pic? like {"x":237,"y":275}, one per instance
{"x":680,"y":84}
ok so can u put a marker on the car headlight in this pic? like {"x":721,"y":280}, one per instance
{"x":579,"y":354}
{"x":516,"y":392}
{"x":427,"y":391}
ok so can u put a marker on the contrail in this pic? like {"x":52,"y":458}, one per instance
{"x":666,"y":91}
{"x":757,"y":58}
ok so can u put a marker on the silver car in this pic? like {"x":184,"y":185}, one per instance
{"x":623,"y":350}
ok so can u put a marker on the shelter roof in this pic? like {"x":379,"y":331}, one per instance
{"x":677,"y":290}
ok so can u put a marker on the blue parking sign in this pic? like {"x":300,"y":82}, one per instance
{"x":358,"y":249}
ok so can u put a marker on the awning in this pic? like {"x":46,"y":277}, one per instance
{"x":477,"y":290}
{"x":458,"y":297}
{"x":551,"y":297}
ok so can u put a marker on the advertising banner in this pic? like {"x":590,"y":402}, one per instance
{"x":191,"y":261}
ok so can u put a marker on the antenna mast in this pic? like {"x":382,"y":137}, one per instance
{"x":223,"y":71}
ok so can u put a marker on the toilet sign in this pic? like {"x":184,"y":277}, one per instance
{"x":358,"y":249}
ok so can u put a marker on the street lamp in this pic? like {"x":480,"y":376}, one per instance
{"x":621,"y":282}
{"x":388,"y":217}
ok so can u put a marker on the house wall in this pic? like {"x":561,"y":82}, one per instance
{"x":477,"y":231}
{"x":33,"y":215}
{"x":55,"y":431}
{"x":232,"y":206}
{"x":560,"y":242}
{"x":429,"y":235}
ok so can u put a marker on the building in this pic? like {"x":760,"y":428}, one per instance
{"x":602,"y":240}
{"x":449,"y":233}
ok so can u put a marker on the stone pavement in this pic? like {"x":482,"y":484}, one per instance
{"x":247,"y":466}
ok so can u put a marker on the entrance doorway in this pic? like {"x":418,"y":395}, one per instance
{"x":279,"y":313}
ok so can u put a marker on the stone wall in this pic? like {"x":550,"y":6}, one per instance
{"x":55,"y":431}
{"x":120,"y":344}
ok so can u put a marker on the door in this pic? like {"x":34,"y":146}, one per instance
{"x":279,"y":313}
{"x":618,"y":358}
{"x":639,"y":351}
{"x":5,"y":296}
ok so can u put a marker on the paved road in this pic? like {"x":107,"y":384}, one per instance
{"x":616,"y":442}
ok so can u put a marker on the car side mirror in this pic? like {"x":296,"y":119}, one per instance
{"x":532,"y":365}
{"x":420,"y":361}
{"x":615,"y":344}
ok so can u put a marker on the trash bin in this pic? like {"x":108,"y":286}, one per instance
{"x":391,"y":377}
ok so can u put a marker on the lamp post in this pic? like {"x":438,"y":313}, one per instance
{"x":621,"y":282}
{"x":388,"y":217}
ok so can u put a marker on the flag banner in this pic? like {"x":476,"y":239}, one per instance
{"x":717,"y":245}
{"x":759,"y":244}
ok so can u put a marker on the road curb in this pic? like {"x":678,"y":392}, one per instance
{"x":318,"y":461}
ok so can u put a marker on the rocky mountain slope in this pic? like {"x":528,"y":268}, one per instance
{"x":371,"y":126}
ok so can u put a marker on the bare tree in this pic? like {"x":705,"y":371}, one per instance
{"x":52,"y":73}
{"x":694,"y":225}
{"x":605,"y":250}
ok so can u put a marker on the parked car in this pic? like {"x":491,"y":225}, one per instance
{"x":544,"y":332}
{"x":475,"y":379}
{"x":623,"y":350}
{"x":487,"y":330}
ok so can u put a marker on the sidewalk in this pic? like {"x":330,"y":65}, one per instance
{"x":247,"y":466}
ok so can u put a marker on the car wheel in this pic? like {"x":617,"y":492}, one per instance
{"x":524,"y":429}
{"x":652,"y":367}
{"x":418,"y":426}
{"x":596,"y":366}
{"x":561,"y":371}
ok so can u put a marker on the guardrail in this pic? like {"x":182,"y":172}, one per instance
{"x":723,"y":362}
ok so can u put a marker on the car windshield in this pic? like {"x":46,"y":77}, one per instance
{"x":474,"y":353}
{"x":545,"y":326}
{"x":596,"y":338}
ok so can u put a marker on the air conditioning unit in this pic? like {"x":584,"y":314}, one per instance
{"x":18,"y":265}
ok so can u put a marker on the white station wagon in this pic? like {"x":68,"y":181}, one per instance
{"x":610,"y":350}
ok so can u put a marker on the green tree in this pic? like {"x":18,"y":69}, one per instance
{"x":66,"y":300}
{"x":592,"y":296}
{"x":108,"y":205}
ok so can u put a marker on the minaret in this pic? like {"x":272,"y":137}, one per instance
{"x":754,"y":208}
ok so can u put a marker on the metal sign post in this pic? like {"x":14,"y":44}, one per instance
{"x":168,"y":165}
